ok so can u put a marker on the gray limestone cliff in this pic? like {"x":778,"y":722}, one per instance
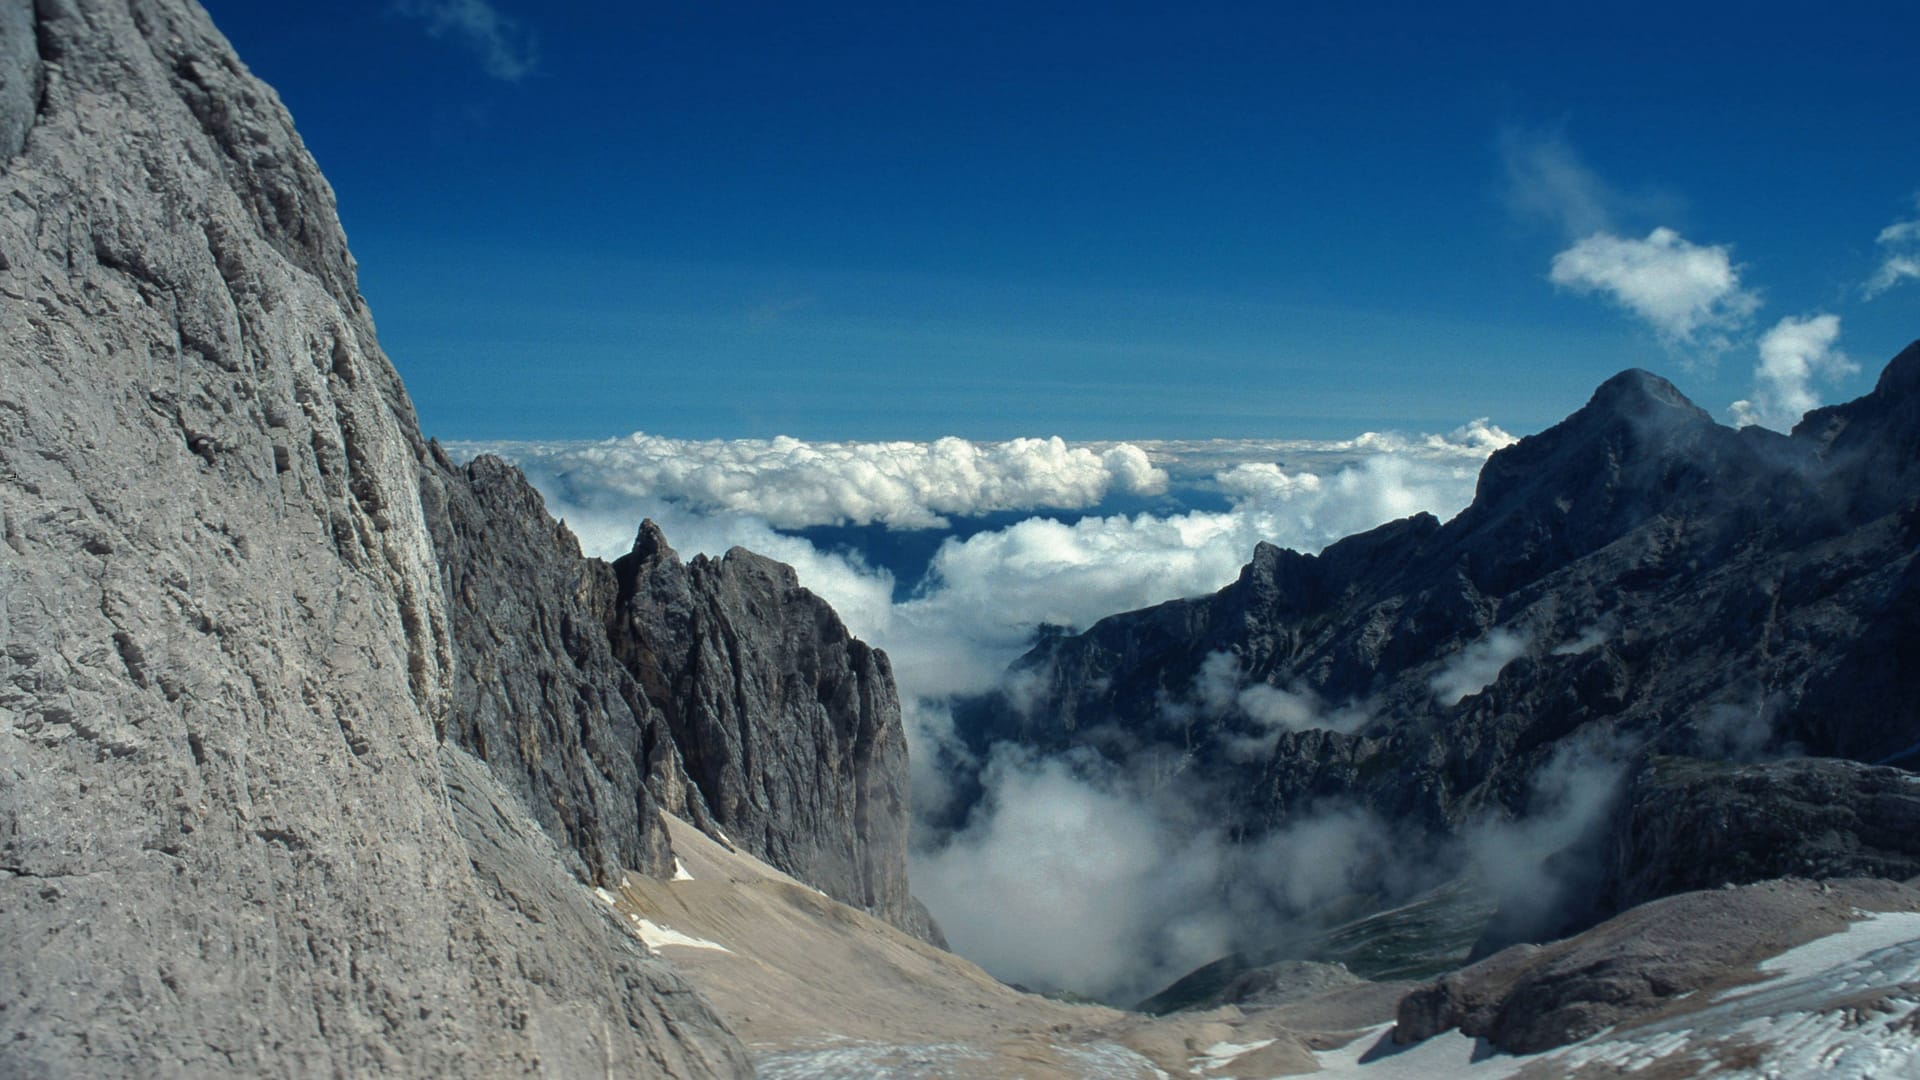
{"x":234,"y":839}
{"x":789,"y":725}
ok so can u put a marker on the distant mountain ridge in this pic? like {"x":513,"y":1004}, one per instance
{"x":1637,"y":578}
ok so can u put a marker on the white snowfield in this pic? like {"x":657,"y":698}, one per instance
{"x":1846,"y":1006}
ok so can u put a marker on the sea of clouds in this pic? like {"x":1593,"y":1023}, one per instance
{"x":1069,"y":872}
{"x":983,"y":593}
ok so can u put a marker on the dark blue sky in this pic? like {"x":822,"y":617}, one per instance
{"x":867,"y":220}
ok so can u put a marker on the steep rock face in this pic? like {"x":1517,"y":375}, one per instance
{"x":1687,"y":824}
{"x":788,"y":725}
{"x":719,"y":691}
{"x":232,"y":841}
{"x":1636,"y":578}
{"x":538,"y":693}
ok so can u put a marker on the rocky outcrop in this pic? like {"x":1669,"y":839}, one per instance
{"x":1635,"y":580}
{"x":788,"y":725}
{"x":1661,"y":958}
{"x":1231,"y":981}
{"x":1685,"y":824}
{"x":232,"y":838}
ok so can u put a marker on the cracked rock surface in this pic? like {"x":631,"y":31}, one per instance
{"x":234,"y":840}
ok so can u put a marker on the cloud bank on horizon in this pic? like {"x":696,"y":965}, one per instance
{"x":793,"y":484}
{"x":984,"y":594}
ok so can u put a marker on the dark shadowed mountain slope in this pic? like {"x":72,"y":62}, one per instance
{"x":1635,"y":580}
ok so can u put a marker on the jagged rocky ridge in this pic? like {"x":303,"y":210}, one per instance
{"x":718,"y":690}
{"x":789,"y":726}
{"x":1700,"y":600}
{"x":312,"y":741}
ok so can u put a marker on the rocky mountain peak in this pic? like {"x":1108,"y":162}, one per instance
{"x":1901,"y":376}
{"x":650,"y":544}
{"x":1636,"y":392}
{"x":1637,"y":450}
{"x":1874,"y":441}
{"x":1633,"y":419}
{"x":775,"y":574}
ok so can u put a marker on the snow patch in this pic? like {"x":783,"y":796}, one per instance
{"x":658,"y":937}
{"x":1222,"y":1054}
{"x":1848,"y":949}
{"x":1375,"y":1056}
{"x":680,"y":871}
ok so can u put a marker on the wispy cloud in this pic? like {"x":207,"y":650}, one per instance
{"x":1793,"y":355}
{"x":1546,"y":180}
{"x":1257,"y":713}
{"x":505,"y":47}
{"x":1900,"y":244}
{"x":1083,"y":874}
{"x":1532,"y":862}
{"x":1475,"y":667}
{"x":779,"y":308}
{"x":1690,"y":294}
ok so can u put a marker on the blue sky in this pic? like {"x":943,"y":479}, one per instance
{"x":715,"y":220}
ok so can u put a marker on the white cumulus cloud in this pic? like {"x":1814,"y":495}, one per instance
{"x":1794,"y":355}
{"x":1690,"y":294}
